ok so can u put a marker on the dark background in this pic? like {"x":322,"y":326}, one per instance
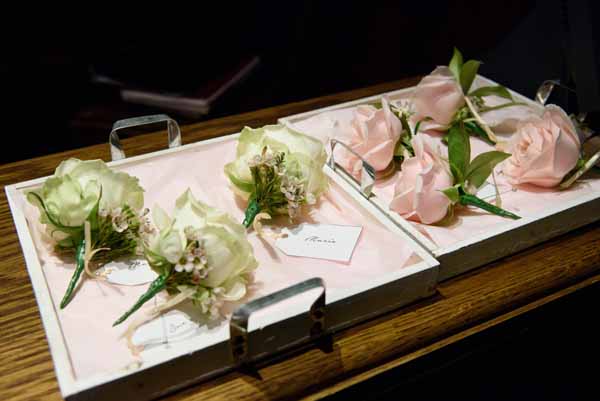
{"x":306,"y":48}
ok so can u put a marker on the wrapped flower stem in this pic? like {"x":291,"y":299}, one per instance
{"x":277,"y":170}
{"x":252,"y":211}
{"x":79,"y":268}
{"x":159,"y":284}
{"x":468,"y":199}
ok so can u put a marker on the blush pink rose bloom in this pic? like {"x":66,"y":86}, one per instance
{"x":544,"y":149}
{"x":373,"y":135}
{"x":417,"y":194}
{"x":438,"y":96}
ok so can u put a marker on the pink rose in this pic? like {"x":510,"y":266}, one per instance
{"x":544,"y":149}
{"x":438,"y":96}
{"x":417,"y":195}
{"x":373,"y":135}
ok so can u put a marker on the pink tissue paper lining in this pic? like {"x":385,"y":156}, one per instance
{"x":95,"y":347}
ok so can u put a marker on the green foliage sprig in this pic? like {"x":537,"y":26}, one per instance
{"x":469,"y":175}
{"x":469,"y":115}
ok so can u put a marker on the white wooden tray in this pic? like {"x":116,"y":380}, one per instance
{"x":552,"y":216}
{"x":352,"y":294}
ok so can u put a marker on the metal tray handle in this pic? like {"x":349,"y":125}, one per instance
{"x":238,"y":326}
{"x":367,"y":176}
{"x":545,"y":90}
{"x":116,"y":150}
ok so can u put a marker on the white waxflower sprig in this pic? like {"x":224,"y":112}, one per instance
{"x":92,"y":212}
{"x":278,"y":170}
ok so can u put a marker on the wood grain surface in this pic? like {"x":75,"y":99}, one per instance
{"x":462,"y":306}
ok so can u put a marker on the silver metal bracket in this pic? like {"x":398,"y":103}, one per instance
{"x":238,"y":326}
{"x":367,"y":176}
{"x":116,"y":150}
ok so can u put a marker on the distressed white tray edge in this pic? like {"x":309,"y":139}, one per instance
{"x":56,"y":342}
{"x":69,"y":386}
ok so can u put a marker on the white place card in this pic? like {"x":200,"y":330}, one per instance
{"x":172,"y":326}
{"x":321,"y":241}
{"x":128,"y":272}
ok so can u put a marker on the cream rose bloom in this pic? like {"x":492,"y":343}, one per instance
{"x":229,"y":255}
{"x":418,"y":192}
{"x":70,"y":195}
{"x":438,"y":96}
{"x":373,"y":135}
{"x":305,"y":157}
{"x":544,"y":150}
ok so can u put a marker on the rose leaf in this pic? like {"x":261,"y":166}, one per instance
{"x":456,"y":64}
{"x":468,"y":73}
{"x":459,"y":152}
{"x":481,"y":167}
{"x":498,"y":90}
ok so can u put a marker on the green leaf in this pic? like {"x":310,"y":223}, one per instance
{"x":452,"y":193}
{"x":459,"y":152}
{"x":467,"y":74}
{"x":481,"y":167}
{"x":456,"y":64}
{"x":492,"y":90}
{"x":93,"y":215}
{"x":477,"y":131}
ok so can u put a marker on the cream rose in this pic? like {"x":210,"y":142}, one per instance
{"x":92,"y":211}
{"x":200,"y":253}
{"x":70,"y":195}
{"x":544,"y":150}
{"x":438,"y":96}
{"x":228,"y":253}
{"x":373,"y":135}
{"x":417,"y":194}
{"x":278,"y":170}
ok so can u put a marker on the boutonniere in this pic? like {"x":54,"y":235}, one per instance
{"x":429,"y":186}
{"x":374,"y":133}
{"x":445,"y":97}
{"x":546,"y":151}
{"x":93,"y":213}
{"x":200,"y":253}
{"x":278,"y":171}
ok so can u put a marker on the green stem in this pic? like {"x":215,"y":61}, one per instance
{"x":155,"y":287}
{"x":476,"y":129}
{"x":80,"y":258}
{"x":501,"y":106}
{"x":467,"y":199}
{"x":251,"y":211}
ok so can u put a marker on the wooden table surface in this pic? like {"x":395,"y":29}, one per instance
{"x":463,"y":306}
